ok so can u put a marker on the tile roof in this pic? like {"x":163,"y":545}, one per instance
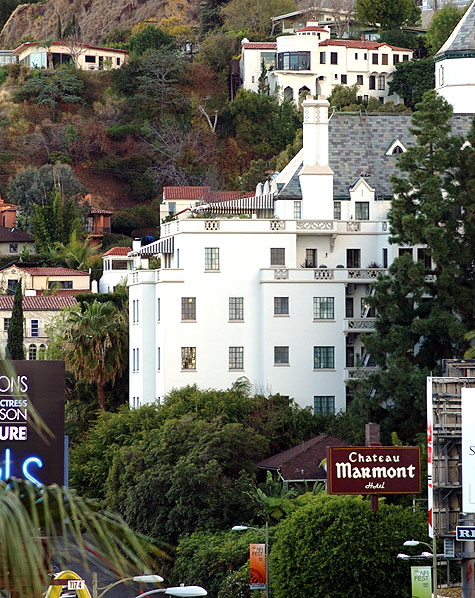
{"x":360,"y":44}
{"x":41,"y":271}
{"x":58,"y":43}
{"x":259,"y":45}
{"x":100,"y":211}
{"x":302,"y":462}
{"x":202,"y":193}
{"x":312,"y":28}
{"x":357,"y":147}
{"x":13,"y":235}
{"x":117,"y":251}
{"x":463,"y":36}
{"x":38,"y":302}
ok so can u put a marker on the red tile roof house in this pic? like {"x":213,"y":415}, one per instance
{"x":117,"y":264}
{"x":302,"y":463}
{"x":38,"y":313}
{"x":37,"y":279}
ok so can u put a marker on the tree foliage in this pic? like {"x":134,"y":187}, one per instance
{"x":150,"y":38}
{"x":412,"y":79}
{"x":15,"y":348}
{"x":253,"y":16}
{"x":311,"y":546}
{"x":388,"y":15}
{"x":443,"y":23}
{"x":424,"y":309}
{"x":92,"y":339}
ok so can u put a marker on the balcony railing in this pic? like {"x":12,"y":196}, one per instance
{"x":362,"y":324}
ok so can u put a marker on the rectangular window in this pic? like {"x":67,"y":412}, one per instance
{"x":135,"y":360}
{"x":344,"y":79}
{"x":6,"y":324}
{"x":372,"y":82}
{"x":323,"y":358}
{"x":395,"y":58}
{"x":158,"y":358}
{"x":374,"y":59}
{"x":356,"y":55}
{"x":281,"y":306}
{"x":324,"y":405}
{"x":11,"y":286}
{"x":236,"y":358}
{"x":385,"y":257}
{"x":188,"y":308}
{"x":359,"y":79}
{"x":337,"y":210}
{"x":349,"y":307}
{"x":34,"y":328}
{"x":211,"y":258}
{"x":405,"y":57}
{"x":384,"y":58}
{"x":365,"y":56}
{"x":310,"y":258}
{"x":333,"y":57}
{"x":188,"y":358}
{"x":297,"y":210}
{"x":405,"y":251}
{"x":361,"y":210}
{"x":323,"y":58}
{"x":13,"y":247}
{"x":277,"y":256}
{"x":366,"y":310}
{"x":323,"y":308}
{"x":353,"y":258}
{"x":381,"y":82}
{"x":236,"y":308}
{"x":281,"y":356}
{"x":158,"y":309}
{"x":424,"y":257}
{"x":350,"y":357}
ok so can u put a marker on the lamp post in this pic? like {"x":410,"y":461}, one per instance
{"x":433,"y":552}
{"x":136,"y":578}
{"x":242,"y":528}
{"x":181,"y":591}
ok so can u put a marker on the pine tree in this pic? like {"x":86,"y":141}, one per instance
{"x":424,"y":308}
{"x":15,"y":349}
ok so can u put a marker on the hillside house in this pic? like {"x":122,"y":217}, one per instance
{"x":38,"y":56}
{"x":14,"y":241}
{"x":38,"y":313}
{"x":37,"y":280}
{"x":117,"y":263}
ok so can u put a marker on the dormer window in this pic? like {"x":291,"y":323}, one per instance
{"x":396,"y":147}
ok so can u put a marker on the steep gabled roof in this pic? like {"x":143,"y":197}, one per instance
{"x":302,"y":462}
{"x":462,"y":38}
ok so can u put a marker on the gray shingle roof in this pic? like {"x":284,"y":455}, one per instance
{"x":358,"y":147}
{"x":463,"y":36}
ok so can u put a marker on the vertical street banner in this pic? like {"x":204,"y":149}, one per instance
{"x":257,"y":566}
{"x":32,"y":421}
{"x":421,"y":578}
{"x":468,"y":450}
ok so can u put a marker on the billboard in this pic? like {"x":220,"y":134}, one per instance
{"x":468,"y":450}
{"x":32,"y":421}
{"x":373,"y":470}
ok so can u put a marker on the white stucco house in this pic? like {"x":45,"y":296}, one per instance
{"x":310,"y":62}
{"x":36,"y":55}
{"x":116,"y":265}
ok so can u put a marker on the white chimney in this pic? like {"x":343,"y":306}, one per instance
{"x":315,"y":131}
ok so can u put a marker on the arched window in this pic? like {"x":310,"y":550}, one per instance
{"x":288,"y":94}
{"x":32,"y":352}
{"x":42,"y":351}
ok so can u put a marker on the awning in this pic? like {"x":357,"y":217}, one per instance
{"x":160,"y":246}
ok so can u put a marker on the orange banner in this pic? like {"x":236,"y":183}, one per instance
{"x":257,"y":569}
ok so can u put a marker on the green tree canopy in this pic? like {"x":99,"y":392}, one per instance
{"x":150,"y":38}
{"x":92,"y":338}
{"x":412,"y":79}
{"x":313,"y":544}
{"x":15,"y":349}
{"x":443,"y":23}
{"x":388,"y":15}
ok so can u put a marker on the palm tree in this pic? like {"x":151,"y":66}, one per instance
{"x":93,"y":340}
{"x":38,"y":521}
{"x":77,"y":253}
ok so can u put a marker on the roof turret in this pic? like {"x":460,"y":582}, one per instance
{"x":461,"y":43}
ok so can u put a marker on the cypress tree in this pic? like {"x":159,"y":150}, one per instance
{"x":15,"y":349}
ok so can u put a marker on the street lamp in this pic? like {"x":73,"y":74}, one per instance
{"x":243,"y":528}
{"x":136,"y":578}
{"x":433,"y":553}
{"x":181,"y":591}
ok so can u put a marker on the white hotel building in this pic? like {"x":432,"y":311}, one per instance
{"x":273,"y":287}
